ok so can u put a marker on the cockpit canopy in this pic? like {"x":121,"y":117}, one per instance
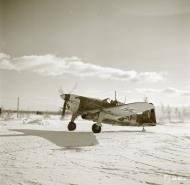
{"x":112,"y":102}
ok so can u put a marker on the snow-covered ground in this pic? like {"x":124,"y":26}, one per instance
{"x":42,"y":152}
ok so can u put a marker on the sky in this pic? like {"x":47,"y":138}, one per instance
{"x":137,"y":47}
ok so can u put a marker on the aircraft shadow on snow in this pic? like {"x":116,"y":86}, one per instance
{"x":64,"y":138}
{"x":60,"y":138}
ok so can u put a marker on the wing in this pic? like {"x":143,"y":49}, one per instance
{"x":126,"y":109}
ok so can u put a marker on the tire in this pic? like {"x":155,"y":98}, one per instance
{"x":71,"y":126}
{"x":96,"y":128}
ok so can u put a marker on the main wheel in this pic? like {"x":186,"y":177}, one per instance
{"x":71,"y":126}
{"x":96,"y":128}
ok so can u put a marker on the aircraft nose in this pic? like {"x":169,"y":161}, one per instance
{"x":65,"y":96}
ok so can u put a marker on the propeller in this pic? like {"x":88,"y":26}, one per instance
{"x":74,"y":87}
{"x":66,"y":97}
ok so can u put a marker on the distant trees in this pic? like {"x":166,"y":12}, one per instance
{"x":173,"y":114}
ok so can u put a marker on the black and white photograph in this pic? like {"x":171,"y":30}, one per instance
{"x":94,"y":92}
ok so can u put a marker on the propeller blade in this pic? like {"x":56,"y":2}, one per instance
{"x":66,"y":97}
{"x":64,"y":109}
{"x":73,"y":88}
{"x":60,"y":91}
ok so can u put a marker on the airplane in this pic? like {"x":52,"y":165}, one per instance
{"x":108,"y":111}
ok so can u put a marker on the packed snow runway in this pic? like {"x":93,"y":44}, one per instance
{"x":47,"y":154}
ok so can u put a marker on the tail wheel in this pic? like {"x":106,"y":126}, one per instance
{"x":96,"y":128}
{"x":71,"y":126}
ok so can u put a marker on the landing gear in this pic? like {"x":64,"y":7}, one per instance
{"x":96,"y":128}
{"x":71,"y":126}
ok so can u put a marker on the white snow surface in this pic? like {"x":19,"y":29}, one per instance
{"x":47,"y":154}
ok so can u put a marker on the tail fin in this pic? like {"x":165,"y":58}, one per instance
{"x":148,"y":117}
{"x":152,"y":116}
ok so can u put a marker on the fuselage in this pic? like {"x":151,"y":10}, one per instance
{"x":81,"y":105}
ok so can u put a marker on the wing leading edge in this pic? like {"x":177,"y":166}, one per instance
{"x":126,"y":109}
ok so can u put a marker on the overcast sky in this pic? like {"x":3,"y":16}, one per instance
{"x":137,"y":47}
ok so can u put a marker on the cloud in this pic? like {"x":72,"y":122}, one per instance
{"x":148,"y":90}
{"x":168,"y":90}
{"x":186,"y":93}
{"x":51,"y":65}
{"x":5,"y":62}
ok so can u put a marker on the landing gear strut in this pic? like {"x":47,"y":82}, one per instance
{"x":71,"y":126}
{"x":96,"y":128}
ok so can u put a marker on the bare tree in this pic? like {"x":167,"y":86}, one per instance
{"x":169,"y":111}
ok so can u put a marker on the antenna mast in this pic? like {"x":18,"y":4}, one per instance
{"x":115,"y":96}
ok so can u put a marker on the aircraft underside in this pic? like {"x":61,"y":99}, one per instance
{"x":127,"y":123}
{"x":147,"y":118}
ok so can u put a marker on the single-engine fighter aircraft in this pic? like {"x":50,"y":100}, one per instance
{"x":108,"y":111}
